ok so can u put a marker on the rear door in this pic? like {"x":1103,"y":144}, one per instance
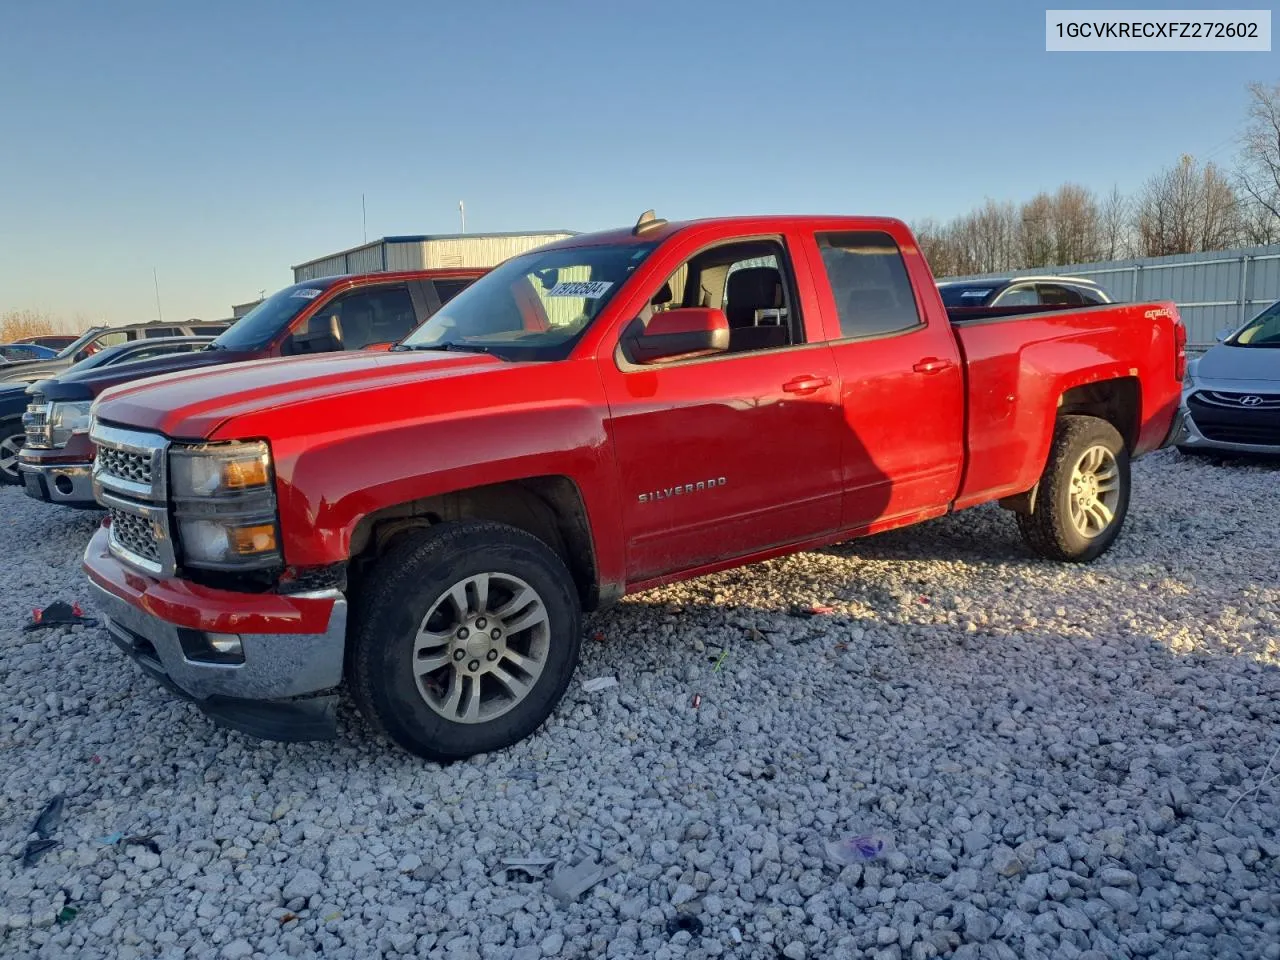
{"x":902,"y":391}
{"x":725,"y":456}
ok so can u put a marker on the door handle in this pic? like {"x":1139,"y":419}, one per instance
{"x":932,"y":365}
{"x":806,"y":384}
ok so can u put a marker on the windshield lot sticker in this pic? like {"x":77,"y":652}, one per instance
{"x":591,"y":289}
{"x":306,"y":294}
{"x":974,"y":293}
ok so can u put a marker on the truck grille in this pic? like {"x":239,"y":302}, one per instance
{"x":135,"y":534}
{"x":130,"y":480}
{"x":125,"y":465}
{"x":36,"y":424}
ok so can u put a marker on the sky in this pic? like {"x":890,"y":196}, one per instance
{"x":218,"y":144}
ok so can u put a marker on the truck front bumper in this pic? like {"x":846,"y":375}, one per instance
{"x":279,"y":680}
{"x":62,"y":475}
{"x":70,"y":484}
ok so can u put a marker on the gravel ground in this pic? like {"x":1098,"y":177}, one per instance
{"x":1055,"y":755}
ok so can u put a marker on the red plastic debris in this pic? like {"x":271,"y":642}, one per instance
{"x":819,"y":608}
{"x":697,"y":700}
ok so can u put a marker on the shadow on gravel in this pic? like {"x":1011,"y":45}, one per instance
{"x":950,"y":538}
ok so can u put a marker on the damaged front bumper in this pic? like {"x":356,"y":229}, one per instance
{"x":265,"y":664}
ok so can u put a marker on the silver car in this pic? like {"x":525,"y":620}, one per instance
{"x":1231,"y":398}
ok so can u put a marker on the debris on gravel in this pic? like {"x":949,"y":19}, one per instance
{"x":1071,"y":761}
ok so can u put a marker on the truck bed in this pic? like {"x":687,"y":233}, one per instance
{"x":1018,"y":362}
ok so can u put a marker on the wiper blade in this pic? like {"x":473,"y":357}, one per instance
{"x":445,"y":345}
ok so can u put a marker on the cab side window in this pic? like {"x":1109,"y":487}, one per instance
{"x":372,"y":315}
{"x":446,"y":290}
{"x":750,"y":281}
{"x":869,"y":283}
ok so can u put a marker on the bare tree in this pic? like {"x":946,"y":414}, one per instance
{"x":1076,"y":227}
{"x":1115,"y":237}
{"x":1036,"y":231}
{"x":1258,"y":173}
{"x":935,"y":244}
{"x":17,"y":324}
{"x":1186,"y":209}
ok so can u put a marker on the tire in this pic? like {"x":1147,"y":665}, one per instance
{"x":12,"y":439}
{"x":1053,"y":529}
{"x":387,"y":665}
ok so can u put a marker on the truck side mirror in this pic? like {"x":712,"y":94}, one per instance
{"x":680,"y":334}
{"x":322,"y":334}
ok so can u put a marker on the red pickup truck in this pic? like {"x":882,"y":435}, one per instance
{"x":606,"y":414}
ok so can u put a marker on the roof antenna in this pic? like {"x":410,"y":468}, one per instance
{"x":648,"y":221}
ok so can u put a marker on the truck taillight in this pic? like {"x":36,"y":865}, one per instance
{"x":1179,"y":350}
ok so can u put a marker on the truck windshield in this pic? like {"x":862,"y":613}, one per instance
{"x":1262,"y":331}
{"x":257,"y":328}
{"x":533,"y":307}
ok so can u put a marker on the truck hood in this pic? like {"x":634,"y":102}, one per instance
{"x":86,"y":384}
{"x":1239,"y":363}
{"x":192,"y":405}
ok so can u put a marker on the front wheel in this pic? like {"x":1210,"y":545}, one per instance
{"x":1083,"y":495}
{"x":12,"y":439}
{"x":465,"y":639}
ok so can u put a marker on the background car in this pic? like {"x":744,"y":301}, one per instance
{"x":1023,"y":292}
{"x":99,"y":338}
{"x":1231,"y":399}
{"x":54,"y":341}
{"x":15,"y":397}
{"x":18,"y":352}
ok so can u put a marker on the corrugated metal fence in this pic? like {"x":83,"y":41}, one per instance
{"x":1213,"y":291}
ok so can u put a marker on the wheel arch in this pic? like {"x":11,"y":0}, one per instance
{"x":550,"y":508}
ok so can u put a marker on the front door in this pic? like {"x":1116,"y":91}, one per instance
{"x":725,"y":456}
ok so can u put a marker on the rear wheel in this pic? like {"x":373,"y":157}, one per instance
{"x":1083,"y":495}
{"x":465,"y":639}
{"x":12,"y":438}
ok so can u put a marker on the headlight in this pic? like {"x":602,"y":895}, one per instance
{"x":68,"y":419}
{"x":224,"y":503}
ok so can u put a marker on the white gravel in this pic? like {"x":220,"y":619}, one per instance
{"x":1053,"y":751}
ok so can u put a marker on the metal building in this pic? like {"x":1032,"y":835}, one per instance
{"x":1214,"y":291}
{"x":426,"y":252}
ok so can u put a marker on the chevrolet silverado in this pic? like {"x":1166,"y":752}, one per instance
{"x":605,"y":414}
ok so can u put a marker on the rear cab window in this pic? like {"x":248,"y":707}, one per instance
{"x":869,"y":283}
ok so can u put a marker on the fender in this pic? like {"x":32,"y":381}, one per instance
{"x":336,"y":465}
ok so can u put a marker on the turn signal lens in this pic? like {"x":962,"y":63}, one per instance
{"x":242,"y":474}
{"x":248,"y":541}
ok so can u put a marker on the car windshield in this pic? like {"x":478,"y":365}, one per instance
{"x":263,"y":323}
{"x":71,"y":349}
{"x":1262,"y":331}
{"x":533,"y":307}
{"x":959,"y":295}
